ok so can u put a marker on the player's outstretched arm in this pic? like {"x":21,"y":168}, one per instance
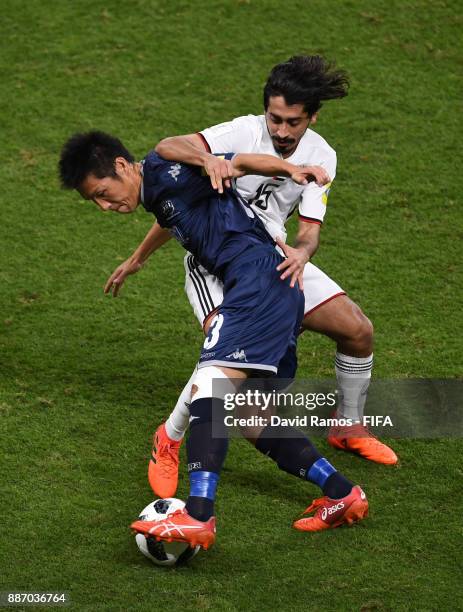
{"x":267,"y":165}
{"x":190,"y":149}
{"x":154,"y":239}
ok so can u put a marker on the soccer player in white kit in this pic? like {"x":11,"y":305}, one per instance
{"x":292,"y":99}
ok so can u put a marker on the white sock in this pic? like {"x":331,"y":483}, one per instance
{"x":353,"y":375}
{"x":177,"y":423}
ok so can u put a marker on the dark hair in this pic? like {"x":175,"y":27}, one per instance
{"x":89,"y":153}
{"x":307,"y":80}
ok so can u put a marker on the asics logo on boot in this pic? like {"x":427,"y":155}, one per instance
{"x":331,"y":510}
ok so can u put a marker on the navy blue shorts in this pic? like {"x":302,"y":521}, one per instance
{"x":259,"y":319}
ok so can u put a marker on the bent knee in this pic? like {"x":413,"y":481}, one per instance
{"x":365,"y":328}
{"x":361,"y":331}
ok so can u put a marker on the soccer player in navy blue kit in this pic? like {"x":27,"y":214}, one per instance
{"x":254,"y":330}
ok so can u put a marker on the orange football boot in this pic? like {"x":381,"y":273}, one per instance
{"x":163,"y":465}
{"x":357,"y":439}
{"x":331,"y":513}
{"x":179,"y":527}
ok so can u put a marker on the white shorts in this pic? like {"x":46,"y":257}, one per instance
{"x":205,"y":291}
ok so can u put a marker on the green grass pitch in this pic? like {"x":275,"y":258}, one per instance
{"x":85,"y":378}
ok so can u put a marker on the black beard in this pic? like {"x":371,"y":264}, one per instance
{"x":284,"y":150}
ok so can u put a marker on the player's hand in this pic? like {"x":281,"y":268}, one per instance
{"x":307,"y":174}
{"x":293,"y":265}
{"x":117,"y":278}
{"x":220,"y":171}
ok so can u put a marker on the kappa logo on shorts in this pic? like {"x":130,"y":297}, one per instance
{"x":175,"y":171}
{"x":238,"y":354}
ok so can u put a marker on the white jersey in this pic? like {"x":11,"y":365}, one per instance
{"x":275,"y":199}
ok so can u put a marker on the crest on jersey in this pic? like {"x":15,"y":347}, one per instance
{"x":167,"y":209}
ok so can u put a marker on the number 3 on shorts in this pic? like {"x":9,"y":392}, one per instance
{"x":214,"y":331}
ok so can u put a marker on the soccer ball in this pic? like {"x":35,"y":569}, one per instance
{"x":163,"y":553}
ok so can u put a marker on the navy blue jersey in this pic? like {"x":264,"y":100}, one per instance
{"x":215,"y":227}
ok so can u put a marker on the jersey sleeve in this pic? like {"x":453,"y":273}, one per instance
{"x":239,"y":135}
{"x":312,"y":206}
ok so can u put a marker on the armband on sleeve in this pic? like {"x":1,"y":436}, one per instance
{"x":312,"y":207}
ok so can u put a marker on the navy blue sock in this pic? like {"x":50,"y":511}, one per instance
{"x":207,"y":447}
{"x":332,"y":483}
{"x":296,"y":455}
{"x":200,"y":503}
{"x":200,"y":508}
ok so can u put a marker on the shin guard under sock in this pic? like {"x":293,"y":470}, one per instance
{"x":207,"y":447}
